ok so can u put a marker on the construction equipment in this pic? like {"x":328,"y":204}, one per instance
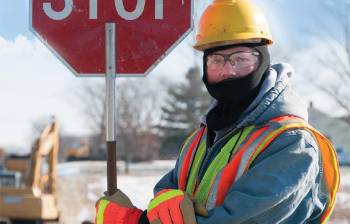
{"x":29,"y":190}
{"x":78,"y":152}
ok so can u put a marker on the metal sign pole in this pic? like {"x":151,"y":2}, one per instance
{"x":110,"y":111}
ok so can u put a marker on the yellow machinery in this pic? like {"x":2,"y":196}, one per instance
{"x":80,"y":152}
{"x":34,"y":197}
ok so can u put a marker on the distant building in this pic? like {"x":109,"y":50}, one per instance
{"x":336,"y":129}
{"x":2,"y":157}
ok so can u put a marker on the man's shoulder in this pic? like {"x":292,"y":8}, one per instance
{"x":293,"y":142}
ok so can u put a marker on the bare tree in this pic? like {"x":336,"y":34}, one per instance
{"x":137,"y":112}
{"x":338,"y":58}
{"x":329,"y":70}
{"x":90,"y":97}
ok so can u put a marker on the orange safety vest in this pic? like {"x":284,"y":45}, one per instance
{"x":237,"y":155}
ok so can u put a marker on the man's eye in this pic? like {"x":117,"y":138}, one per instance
{"x":217,"y":61}
{"x":241,"y":59}
{"x":214,"y":60}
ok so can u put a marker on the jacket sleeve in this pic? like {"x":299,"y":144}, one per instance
{"x":168,"y":181}
{"x":279,"y":187}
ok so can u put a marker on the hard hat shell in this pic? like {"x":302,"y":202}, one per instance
{"x":227,"y":22}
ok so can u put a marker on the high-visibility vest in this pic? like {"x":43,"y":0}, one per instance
{"x":237,"y":155}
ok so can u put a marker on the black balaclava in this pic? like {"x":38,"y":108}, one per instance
{"x":234,"y":95}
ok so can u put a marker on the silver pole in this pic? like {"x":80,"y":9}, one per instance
{"x":110,"y":82}
{"x":111,"y":109}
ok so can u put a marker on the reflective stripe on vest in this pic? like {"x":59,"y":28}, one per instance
{"x":186,"y":156}
{"x":331,"y":172}
{"x":237,"y":155}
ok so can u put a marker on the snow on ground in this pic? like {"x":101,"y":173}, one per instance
{"x":341,"y":213}
{"x":345,"y":177}
{"x":80,"y":184}
{"x":98,"y":167}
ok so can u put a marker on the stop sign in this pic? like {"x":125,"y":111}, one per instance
{"x":146,"y":31}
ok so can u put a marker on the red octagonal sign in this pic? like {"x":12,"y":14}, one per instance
{"x":146,"y":31}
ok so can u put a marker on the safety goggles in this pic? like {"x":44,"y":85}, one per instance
{"x":238,"y":60}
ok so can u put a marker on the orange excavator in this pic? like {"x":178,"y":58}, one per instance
{"x":79,"y":151}
{"x":28,"y":185}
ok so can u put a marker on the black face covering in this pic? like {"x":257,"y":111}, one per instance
{"x":234,"y":95}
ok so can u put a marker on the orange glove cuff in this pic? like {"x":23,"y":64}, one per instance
{"x":112,"y":213}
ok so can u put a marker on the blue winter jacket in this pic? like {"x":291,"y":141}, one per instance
{"x":283,"y":184}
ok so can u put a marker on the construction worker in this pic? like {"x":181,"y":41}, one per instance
{"x":254,"y":157}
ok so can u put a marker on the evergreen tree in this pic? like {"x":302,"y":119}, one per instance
{"x":181,"y":113}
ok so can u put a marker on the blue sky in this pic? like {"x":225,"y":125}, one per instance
{"x":34,"y":84}
{"x":14,"y":19}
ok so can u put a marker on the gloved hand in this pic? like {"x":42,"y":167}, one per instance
{"x":171,"y":206}
{"x":116,"y":209}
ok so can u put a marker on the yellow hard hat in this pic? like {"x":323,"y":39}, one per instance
{"x":227,"y":22}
